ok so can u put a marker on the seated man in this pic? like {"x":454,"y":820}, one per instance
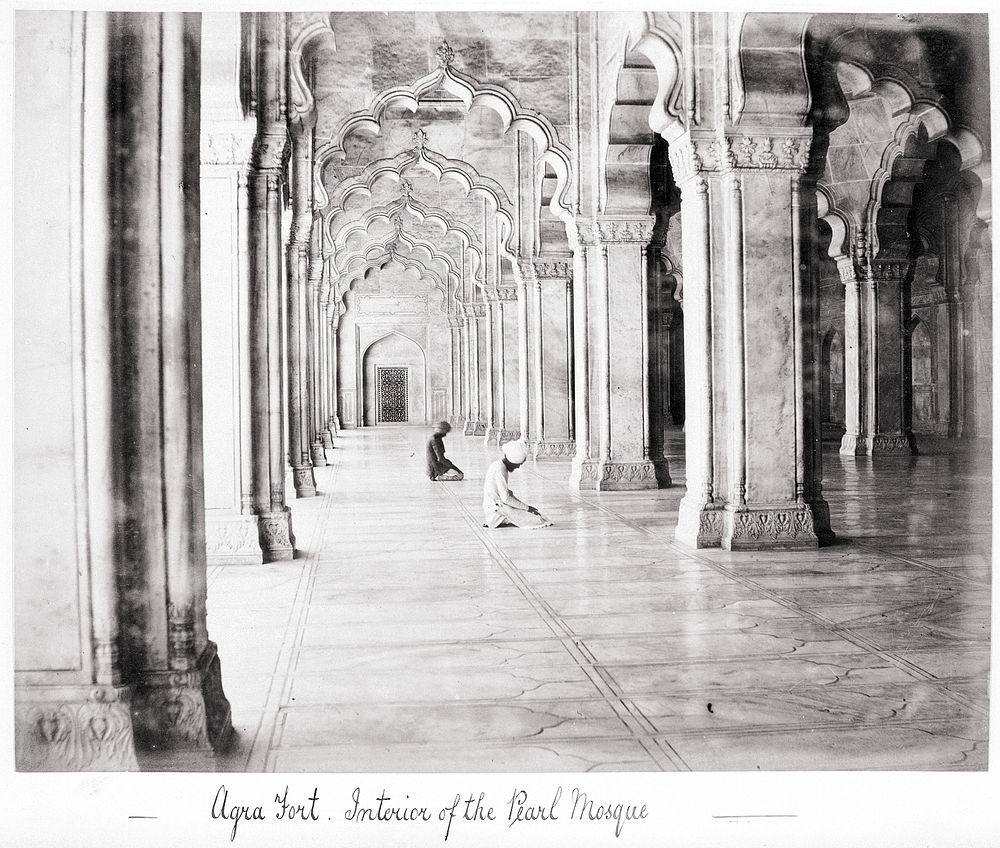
{"x":500,"y":505}
{"x":439,"y":467}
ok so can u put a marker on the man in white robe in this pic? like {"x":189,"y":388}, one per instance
{"x":500,"y":505}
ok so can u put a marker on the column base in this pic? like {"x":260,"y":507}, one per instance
{"x":479,"y":429}
{"x":276,"y":539}
{"x":73,"y":728}
{"x":616,"y":476}
{"x":880,"y":444}
{"x":699,"y":524}
{"x":232,"y":539}
{"x":327,"y":437}
{"x":769,"y":528}
{"x":469,"y":427}
{"x":183,"y":710}
{"x":492,"y":435}
{"x":554,"y":449}
{"x":583,"y":474}
{"x":316,"y":454}
{"x":304,"y":482}
{"x":505,"y":436}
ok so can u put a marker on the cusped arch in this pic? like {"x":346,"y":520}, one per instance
{"x":379,"y":261}
{"x":471,"y":93}
{"x":388,"y":213}
{"x":471,"y":181}
{"x":392,"y":242}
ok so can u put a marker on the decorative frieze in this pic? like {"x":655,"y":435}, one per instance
{"x":74,"y":729}
{"x":760,"y":529}
{"x":752,"y":151}
{"x":232,"y":539}
{"x":506,"y":294}
{"x":606,"y":230}
{"x":558,"y":270}
{"x":182,"y":709}
{"x":227,"y":147}
{"x":276,"y":539}
{"x":618,"y":476}
{"x":552,"y":449}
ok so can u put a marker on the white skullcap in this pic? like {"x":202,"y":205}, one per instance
{"x":515,"y":452}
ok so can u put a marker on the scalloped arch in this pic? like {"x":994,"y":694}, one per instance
{"x":378,"y":261}
{"x":343,"y":264}
{"x":440,"y":166}
{"x":471,"y":93}
{"x":934,"y":121}
{"x":422,"y":213}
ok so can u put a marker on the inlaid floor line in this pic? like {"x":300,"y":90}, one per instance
{"x":570,"y":642}
{"x":940,"y":572}
{"x":845,"y":633}
{"x":260,"y":753}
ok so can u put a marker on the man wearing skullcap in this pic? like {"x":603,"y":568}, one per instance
{"x":500,"y":505}
{"x":439,"y":467}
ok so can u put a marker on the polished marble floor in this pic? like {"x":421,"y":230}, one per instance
{"x":405,"y":637}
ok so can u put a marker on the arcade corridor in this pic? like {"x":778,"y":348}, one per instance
{"x":404,"y":637}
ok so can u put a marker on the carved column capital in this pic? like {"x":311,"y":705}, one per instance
{"x":748,"y":149}
{"x":227,"y":145}
{"x":607,"y":229}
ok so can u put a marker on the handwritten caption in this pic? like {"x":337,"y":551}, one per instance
{"x":520,"y":810}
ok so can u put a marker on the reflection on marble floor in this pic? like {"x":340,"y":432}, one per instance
{"x":407,"y":638}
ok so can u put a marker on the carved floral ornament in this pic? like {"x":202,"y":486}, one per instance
{"x":753,"y":151}
{"x":617,"y":230}
{"x":228,"y":147}
{"x":558,"y":270}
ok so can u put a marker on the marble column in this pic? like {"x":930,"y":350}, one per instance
{"x":276,"y":537}
{"x":552,"y":358}
{"x":299,"y":456}
{"x":478,"y":314}
{"x":957,"y":331}
{"x":72,"y":699}
{"x":315,"y":330}
{"x":508,"y":386}
{"x":855,"y":388}
{"x":524,"y":278}
{"x":490,"y":372}
{"x":231,"y":535}
{"x":619,"y":355}
{"x":333,"y":313}
{"x":877,"y":381}
{"x":455,"y":371}
{"x":752,"y":428}
{"x":468,"y":398}
{"x":582,"y":471}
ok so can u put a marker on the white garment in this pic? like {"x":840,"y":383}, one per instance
{"x":498,"y":499}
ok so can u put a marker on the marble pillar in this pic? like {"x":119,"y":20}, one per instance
{"x":524,"y":278}
{"x":552,"y":358}
{"x":334,"y":376}
{"x":455,"y":371}
{"x":118,"y":659}
{"x":469,"y":392}
{"x":508,"y":387}
{"x":618,"y":354}
{"x":315,"y":331}
{"x":72,"y":701}
{"x":490,"y":372}
{"x":581,"y":470}
{"x":231,"y":536}
{"x":750,"y":315}
{"x":877,"y":382}
{"x":297,"y":364}
{"x":477,"y":326}
{"x":275,"y":519}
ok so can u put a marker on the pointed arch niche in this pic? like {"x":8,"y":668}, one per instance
{"x":397,"y":351}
